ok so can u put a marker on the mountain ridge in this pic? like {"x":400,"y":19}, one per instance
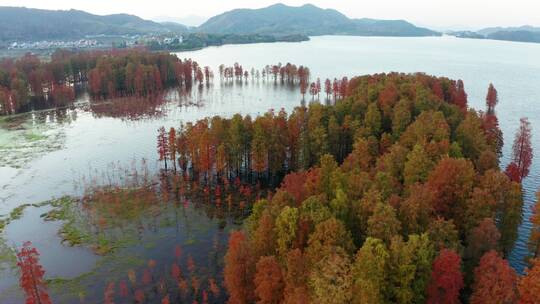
{"x":307,"y":19}
{"x":21,"y":23}
{"x":30,"y":24}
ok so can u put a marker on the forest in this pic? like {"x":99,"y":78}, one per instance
{"x":28,"y":82}
{"x":394,"y":194}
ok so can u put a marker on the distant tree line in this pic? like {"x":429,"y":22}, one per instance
{"x":29,"y":82}
{"x":194,"y":41}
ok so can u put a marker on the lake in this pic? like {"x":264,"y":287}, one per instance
{"x":46,"y":154}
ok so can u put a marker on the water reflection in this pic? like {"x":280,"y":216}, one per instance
{"x":158,"y":235}
{"x":130,"y":108}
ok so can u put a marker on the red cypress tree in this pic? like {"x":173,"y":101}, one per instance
{"x":529,"y":285}
{"x":172,"y":147}
{"x":31,"y":280}
{"x":318,"y":87}
{"x":124,"y":291}
{"x":343,"y":87}
{"x":460,"y":96}
{"x":165,"y":300}
{"x":109,"y":294}
{"x":494,"y":281}
{"x":328,"y":88}
{"x":446,"y":279}
{"x":491,"y":99}
{"x":522,"y":153}
{"x":303,"y":87}
{"x":293,"y":183}
{"x":512,"y":171}
{"x":163,"y":145}
{"x":238,"y":272}
{"x":335,"y":89}
{"x":313,"y":90}
{"x":268,"y":281}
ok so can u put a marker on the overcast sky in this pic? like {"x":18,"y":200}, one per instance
{"x":435,"y":13}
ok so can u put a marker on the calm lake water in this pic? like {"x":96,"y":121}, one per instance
{"x":44,"y":154}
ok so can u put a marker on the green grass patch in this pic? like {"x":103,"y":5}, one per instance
{"x":31,"y":136}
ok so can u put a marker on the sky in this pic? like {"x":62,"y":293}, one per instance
{"x":458,"y":14}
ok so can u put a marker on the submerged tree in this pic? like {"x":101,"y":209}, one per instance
{"x":163,"y":145}
{"x":522,"y":152}
{"x":31,"y":280}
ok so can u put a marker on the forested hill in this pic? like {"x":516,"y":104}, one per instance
{"x":19,"y":23}
{"x":308,"y":20}
{"x":524,"y":33}
{"x":26,"y":24}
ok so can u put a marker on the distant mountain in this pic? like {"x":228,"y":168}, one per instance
{"x":190,"y":21}
{"x":524,"y":33}
{"x":175,"y":27}
{"x":19,"y":23}
{"x":519,"y":36}
{"x":307,"y":19}
{"x":492,"y":30}
{"x":279,"y":20}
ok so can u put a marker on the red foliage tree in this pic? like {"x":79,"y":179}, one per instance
{"x":293,"y":183}
{"x":335,"y":88}
{"x":172,"y":147}
{"x":238,"y":272}
{"x":512,"y":171}
{"x":303,"y":88}
{"x":446,"y":279}
{"x":529,"y":285}
{"x":109,"y":294}
{"x":451,"y":182}
{"x":124,"y":291}
{"x":483,"y":238}
{"x":494,"y":281}
{"x":31,"y":280}
{"x":491,"y":99}
{"x":62,"y":94}
{"x":318,"y":87}
{"x":328,"y":88}
{"x":522,"y":153}
{"x":343,"y":87}
{"x":460,"y":96}
{"x":268,"y":281}
{"x":163,"y":145}
{"x":313,"y":90}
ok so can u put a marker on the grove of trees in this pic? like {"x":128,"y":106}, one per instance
{"x":29,"y":82}
{"x":392,"y":195}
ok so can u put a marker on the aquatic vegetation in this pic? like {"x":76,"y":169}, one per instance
{"x":25,"y":137}
{"x":8,"y":256}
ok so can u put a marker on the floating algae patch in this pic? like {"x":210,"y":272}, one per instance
{"x":80,"y":228}
{"x":8,"y":257}
{"x":23,"y":138}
